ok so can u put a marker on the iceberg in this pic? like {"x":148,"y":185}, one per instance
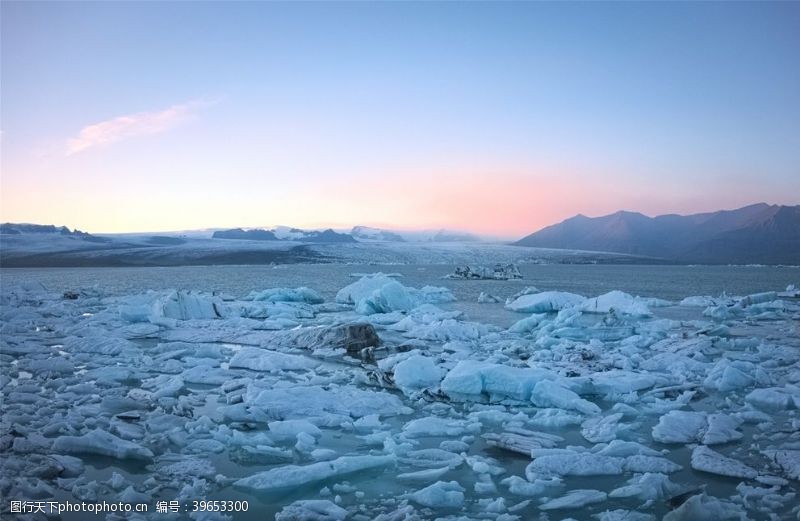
{"x":379,"y":293}
{"x":545,"y":302}
{"x":618,"y":301}
{"x":184,"y":305}
{"x":496,"y":272}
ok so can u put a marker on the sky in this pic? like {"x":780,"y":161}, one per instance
{"x":498,"y":118}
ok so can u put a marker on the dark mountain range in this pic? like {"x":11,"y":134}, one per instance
{"x":327,"y":236}
{"x":250,"y":235}
{"x":25,"y":228}
{"x":287,"y":234}
{"x":759,"y":233}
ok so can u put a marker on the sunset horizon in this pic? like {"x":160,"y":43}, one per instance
{"x":474,"y":124}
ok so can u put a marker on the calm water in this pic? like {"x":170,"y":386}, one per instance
{"x":668,"y":282}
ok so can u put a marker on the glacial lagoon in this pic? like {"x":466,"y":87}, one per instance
{"x":585,"y":392}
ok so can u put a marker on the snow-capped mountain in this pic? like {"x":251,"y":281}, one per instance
{"x":375,"y":234}
{"x":440,"y":235}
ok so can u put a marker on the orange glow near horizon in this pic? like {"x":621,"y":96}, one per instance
{"x":507,"y":205}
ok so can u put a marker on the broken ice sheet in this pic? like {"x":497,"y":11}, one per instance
{"x":390,"y":401}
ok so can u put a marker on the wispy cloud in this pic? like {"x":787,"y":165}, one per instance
{"x":131,"y":125}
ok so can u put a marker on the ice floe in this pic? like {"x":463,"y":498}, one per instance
{"x":388,"y":403}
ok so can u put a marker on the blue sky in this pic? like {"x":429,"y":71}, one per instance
{"x":495,"y":117}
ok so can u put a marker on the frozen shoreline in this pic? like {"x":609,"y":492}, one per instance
{"x":592,"y":403}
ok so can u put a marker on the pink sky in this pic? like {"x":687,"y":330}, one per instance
{"x":495,"y":118}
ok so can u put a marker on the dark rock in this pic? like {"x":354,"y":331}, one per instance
{"x":352,"y":337}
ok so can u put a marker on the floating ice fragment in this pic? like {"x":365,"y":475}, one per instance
{"x":486,"y":298}
{"x":623,"y":515}
{"x":547,"y":393}
{"x":721,"y":429}
{"x":432,"y":458}
{"x":433,"y":426}
{"x":312,"y":510}
{"x":771,"y":399}
{"x":521,"y":487}
{"x":575,"y":464}
{"x":269,"y":361}
{"x":680,"y":427}
{"x":706,"y":508}
{"x":648,"y":486}
{"x":471,"y":377}
{"x":699,"y":301}
{"x":624,"y":449}
{"x":787,"y":460}
{"x":423,"y":476}
{"x":289,"y":429}
{"x":378,"y":293}
{"x":417,"y":372}
{"x":575,"y":499}
{"x":791,"y":292}
{"x":527,"y":324}
{"x":314,"y":401}
{"x":442,"y":494}
{"x":301,"y":294}
{"x":545,"y":302}
{"x":521,"y":441}
{"x":604,"y":429}
{"x":729,"y":375}
{"x":290,"y":477}
{"x":617,"y":301}
{"x":184,"y":305}
{"x":621,"y":382}
{"x":101,"y":443}
{"x":713,"y":462}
